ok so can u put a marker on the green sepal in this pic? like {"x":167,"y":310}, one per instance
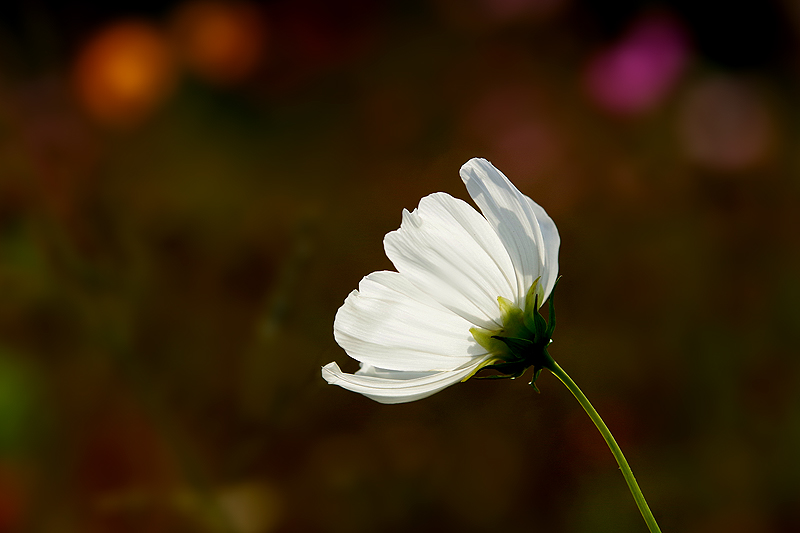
{"x":531,"y":305}
{"x":485,"y":338}
{"x":540,"y":327}
{"x":494,"y":376}
{"x":508,"y":370}
{"x":523,"y":340}
{"x":536,"y":373}
{"x":552,"y":326}
{"x":511,"y":313}
{"x":519,"y":348}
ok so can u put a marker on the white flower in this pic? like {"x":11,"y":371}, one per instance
{"x":412,"y":330}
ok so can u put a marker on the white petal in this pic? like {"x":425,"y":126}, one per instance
{"x":450,"y":252}
{"x":387,"y":386}
{"x":551,"y":243}
{"x":525,"y":229}
{"x":391,"y":324}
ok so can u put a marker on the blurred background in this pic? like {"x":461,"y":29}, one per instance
{"x":190,"y":189}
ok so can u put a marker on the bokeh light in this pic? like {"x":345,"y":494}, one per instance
{"x":636,"y":73}
{"x":124,"y":72}
{"x":221,"y":42}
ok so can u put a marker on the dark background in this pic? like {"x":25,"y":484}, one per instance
{"x":189,"y":190}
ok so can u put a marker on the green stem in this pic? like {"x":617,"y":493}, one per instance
{"x":612,"y":444}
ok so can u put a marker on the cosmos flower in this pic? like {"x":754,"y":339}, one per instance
{"x":465,"y":295}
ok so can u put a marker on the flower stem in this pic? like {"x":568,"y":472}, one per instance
{"x":612,"y":444}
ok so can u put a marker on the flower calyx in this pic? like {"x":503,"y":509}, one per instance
{"x":523,"y":340}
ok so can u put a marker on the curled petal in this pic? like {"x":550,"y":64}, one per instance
{"x":526,"y":231}
{"x":389,"y":386}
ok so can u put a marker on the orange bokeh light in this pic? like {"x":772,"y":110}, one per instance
{"x":124,"y":72}
{"x":222,"y":42}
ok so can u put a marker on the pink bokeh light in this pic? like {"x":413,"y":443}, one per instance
{"x":634,"y":75}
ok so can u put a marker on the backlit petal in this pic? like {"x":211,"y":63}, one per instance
{"x":387,"y":386}
{"x":391,"y":324}
{"x":450,"y":252}
{"x":527,"y":233}
{"x":552,"y":241}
